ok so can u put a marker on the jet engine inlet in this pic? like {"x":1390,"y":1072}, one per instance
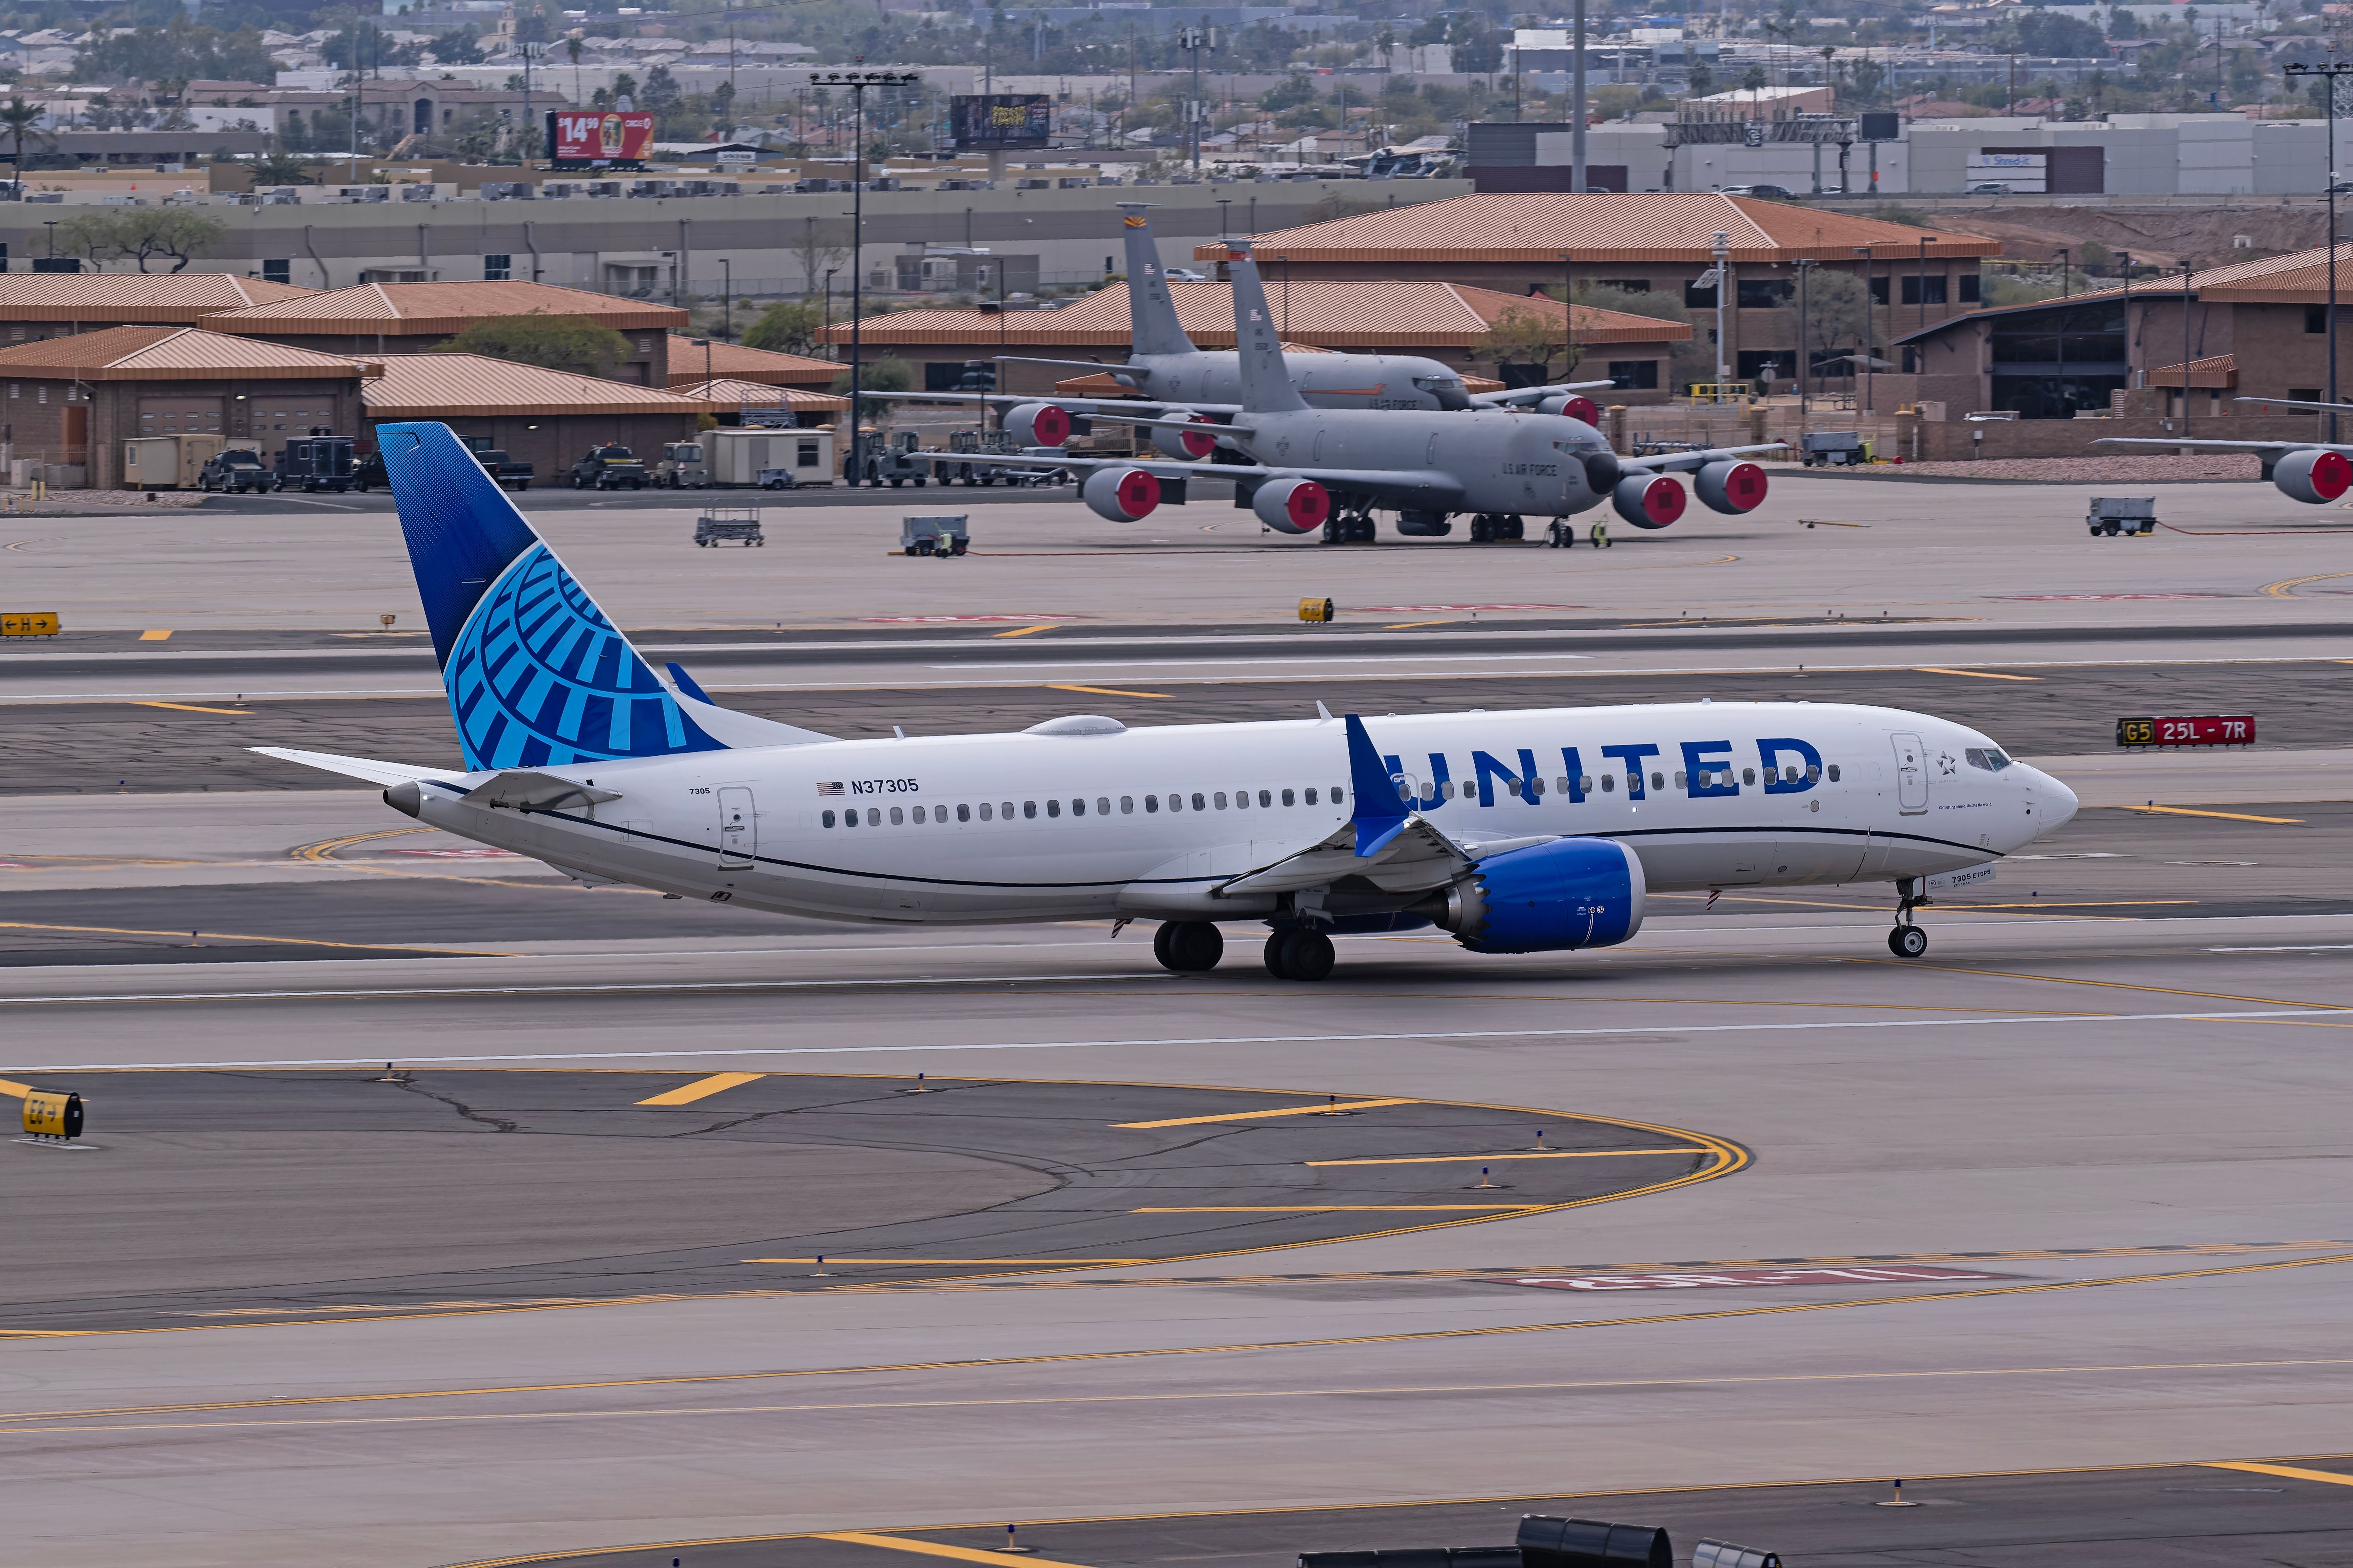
{"x":1731,"y":486}
{"x":1039,"y":424}
{"x":2314,"y":477}
{"x":1122,"y":495}
{"x":1581,"y":409}
{"x":1548,"y":898}
{"x":1181,"y":436}
{"x":1292,"y":506}
{"x":1648,"y":501}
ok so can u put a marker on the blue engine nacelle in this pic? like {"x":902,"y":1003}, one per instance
{"x":1548,"y":898}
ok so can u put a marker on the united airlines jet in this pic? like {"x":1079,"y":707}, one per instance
{"x":1530,"y":831}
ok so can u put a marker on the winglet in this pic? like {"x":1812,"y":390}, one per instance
{"x":1380,"y":814}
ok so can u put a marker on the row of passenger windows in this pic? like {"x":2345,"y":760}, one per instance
{"x":1717,"y":778}
{"x":991,"y":811}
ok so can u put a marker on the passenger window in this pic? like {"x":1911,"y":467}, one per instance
{"x":1336,"y":796}
{"x":1241,"y":800}
{"x":1053,"y":808}
{"x":984,"y":811}
{"x":1266,"y":798}
{"x":1102,"y":805}
{"x":1834,"y":776}
{"x":1311,"y":797}
{"x":919,"y":814}
{"x":1127,"y":806}
{"x":1789,"y":773}
{"x":827,"y":819}
{"x":1748,"y":775}
{"x":1537,"y":785}
{"x":1286,"y":798}
{"x":1608,"y":784}
{"x":1005,"y":810}
{"x":1028,"y":808}
{"x":1078,"y":808}
{"x":1220,"y":798}
{"x":964,"y":813}
{"x":1658,"y":781}
{"x":1152,"y":801}
{"x":898,"y":818}
{"x":874,"y":815}
{"x":1679,"y":780}
{"x":1584,"y":784}
{"x":1196,"y":802}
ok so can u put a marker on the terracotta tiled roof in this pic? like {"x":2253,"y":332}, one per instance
{"x":169,"y":298}
{"x":733,"y":360}
{"x":172,"y":353}
{"x":1601,"y":226}
{"x":1100,"y":385}
{"x":436,"y":386}
{"x":417,"y":309}
{"x":2299,"y":278}
{"x":1323,"y":314}
{"x":727,"y":395}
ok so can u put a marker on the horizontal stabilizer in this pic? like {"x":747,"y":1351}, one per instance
{"x":522,"y":789}
{"x":367,"y":768}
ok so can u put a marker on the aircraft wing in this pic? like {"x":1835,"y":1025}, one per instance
{"x":2227,"y":445}
{"x":1670,"y":462}
{"x":1520,"y":394}
{"x":1414,"y":860}
{"x":1426,"y":489}
{"x":2296,"y":403}
{"x":1086,"y":405}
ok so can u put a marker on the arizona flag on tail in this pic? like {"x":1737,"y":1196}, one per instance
{"x":536,"y":672}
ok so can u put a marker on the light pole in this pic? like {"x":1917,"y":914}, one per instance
{"x":828,"y":311}
{"x":726,"y":299}
{"x":1870,"y":332}
{"x":1568,"y":309}
{"x":1196,"y":39}
{"x":1805,"y":344}
{"x":1576,"y":103}
{"x":858,"y":81}
{"x":1720,"y":247}
{"x":2185,"y":348}
{"x":2328,"y":73}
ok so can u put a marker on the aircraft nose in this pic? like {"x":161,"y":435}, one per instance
{"x":2058,"y":802}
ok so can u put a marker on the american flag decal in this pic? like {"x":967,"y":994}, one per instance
{"x":825,"y":789}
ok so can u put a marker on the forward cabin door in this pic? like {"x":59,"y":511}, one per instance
{"x":1911,"y":775}
{"x":738,"y":834}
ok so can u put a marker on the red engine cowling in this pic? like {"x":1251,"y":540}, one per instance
{"x":2315,"y":476}
{"x":1292,"y":506}
{"x":1732,"y":486}
{"x":1122,"y":495}
{"x":1582,"y":409}
{"x":1185,"y":436}
{"x":1039,"y":424}
{"x":1648,"y":501}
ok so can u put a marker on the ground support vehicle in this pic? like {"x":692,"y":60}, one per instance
{"x":970,"y":465}
{"x":949,"y":534}
{"x":235,"y":470}
{"x":729,"y":525}
{"x":316,"y":463}
{"x":892,"y":459}
{"x":682,"y":467}
{"x":1831,"y":448}
{"x":2113,"y":515}
{"x":609,"y":468}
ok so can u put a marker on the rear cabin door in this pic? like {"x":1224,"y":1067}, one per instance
{"x":1911,"y":775}
{"x":738,"y":835}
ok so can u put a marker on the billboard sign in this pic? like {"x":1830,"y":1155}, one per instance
{"x":1000,"y":122}
{"x":592,"y":138}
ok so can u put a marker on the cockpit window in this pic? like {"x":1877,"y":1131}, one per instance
{"x":1578,"y":449}
{"x":1990,"y":758}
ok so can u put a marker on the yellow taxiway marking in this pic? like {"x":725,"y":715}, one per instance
{"x":2225,"y":816}
{"x":154,"y":637}
{"x":1408,"y":625}
{"x":1161,"y":1353}
{"x":1974,"y":674}
{"x":933,"y":1549}
{"x":284,"y":941}
{"x":945,"y":1262}
{"x":2280,"y":590}
{"x":325,"y":849}
{"x":2290,"y":1472}
{"x":1331,"y":1107}
{"x":14,"y":1090}
{"x":702,"y":1088}
{"x":191,"y":708}
{"x":1108,"y":691}
{"x":1340,"y":1207}
{"x":1025,"y":631}
{"x":1539,"y":1154}
{"x":2108,"y":984}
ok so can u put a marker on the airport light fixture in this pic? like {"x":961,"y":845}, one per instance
{"x":2297,"y":71}
{"x":858,"y":81}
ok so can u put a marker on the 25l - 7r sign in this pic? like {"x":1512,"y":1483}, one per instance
{"x":2206,"y":729}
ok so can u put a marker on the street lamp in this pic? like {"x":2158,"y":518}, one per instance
{"x":2329,"y":73}
{"x":829,"y":311}
{"x":1871,"y":330}
{"x":1720,"y":247}
{"x":726,"y":299}
{"x":1805,"y":349}
{"x":858,"y":81}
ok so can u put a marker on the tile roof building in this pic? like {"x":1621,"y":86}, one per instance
{"x":689,"y":364}
{"x":36,"y":305}
{"x":544,"y":417}
{"x":1444,"y":321}
{"x":409,"y":318}
{"x":1650,"y":242}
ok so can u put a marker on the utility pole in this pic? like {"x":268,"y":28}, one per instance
{"x":530,"y":53}
{"x":2185,"y":348}
{"x":858,"y":81}
{"x":1871,"y":328}
{"x":1576,"y":104}
{"x":1805,"y":344}
{"x":2329,"y":73}
{"x":1720,"y":247}
{"x":1196,"y":39}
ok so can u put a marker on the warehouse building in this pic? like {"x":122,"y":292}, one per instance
{"x":37,"y":305}
{"x":410,"y":318}
{"x":548,"y":418}
{"x":690,"y":362}
{"x":957,"y":350}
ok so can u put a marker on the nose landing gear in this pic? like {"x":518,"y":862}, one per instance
{"x":1908,"y":940}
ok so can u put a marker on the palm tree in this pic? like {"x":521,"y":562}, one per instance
{"x":572,"y":46}
{"x":17,"y":119}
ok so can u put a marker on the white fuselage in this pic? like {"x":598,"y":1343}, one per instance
{"x":1047,"y":827}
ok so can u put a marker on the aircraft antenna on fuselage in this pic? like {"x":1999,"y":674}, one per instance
{"x":1152,"y":314}
{"x":1266,"y":380}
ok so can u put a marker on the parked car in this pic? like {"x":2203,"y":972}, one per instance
{"x":1991,"y":188}
{"x":609,"y":468}
{"x":316,"y":463}
{"x":1183,"y":275}
{"x":510,"y":475}
{"x":235,"y":470}
{"x":1769,"y":193}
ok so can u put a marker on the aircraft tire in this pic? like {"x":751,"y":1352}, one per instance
{"x":1294,"y":953}
{"x":1189,"y":947}
{"x":1907,"y":941}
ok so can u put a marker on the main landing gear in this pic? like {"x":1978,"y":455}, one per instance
{"x":1298,"y":952}
{"x":1189,"y":947}
{"x":1490,"y":527}
{"x":1353,"y":526}
{"x":1908,"y":940}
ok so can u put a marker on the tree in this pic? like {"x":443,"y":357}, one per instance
{"x":1523,"y":336}
{"x":555,"y":342}
{"x":19,"y":121}
{"x":279,"y":169}
{"x":790,"y":327}
{"x":88,"y":234}
{"x":177,"y":233}
{"x":1693,"y":358}
{"x":889,"y":373}
{"x":1837,"y":312}
{"x":818,"y":256}
{"x":458,"y":46}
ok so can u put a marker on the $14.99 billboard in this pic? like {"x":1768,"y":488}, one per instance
{"x":1000,"y":122}
{"x":599,"y":136}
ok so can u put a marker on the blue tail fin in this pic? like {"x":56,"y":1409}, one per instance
{"x":536,"y":674}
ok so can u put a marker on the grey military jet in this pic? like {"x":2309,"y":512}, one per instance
{"x":1306,"y":467}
